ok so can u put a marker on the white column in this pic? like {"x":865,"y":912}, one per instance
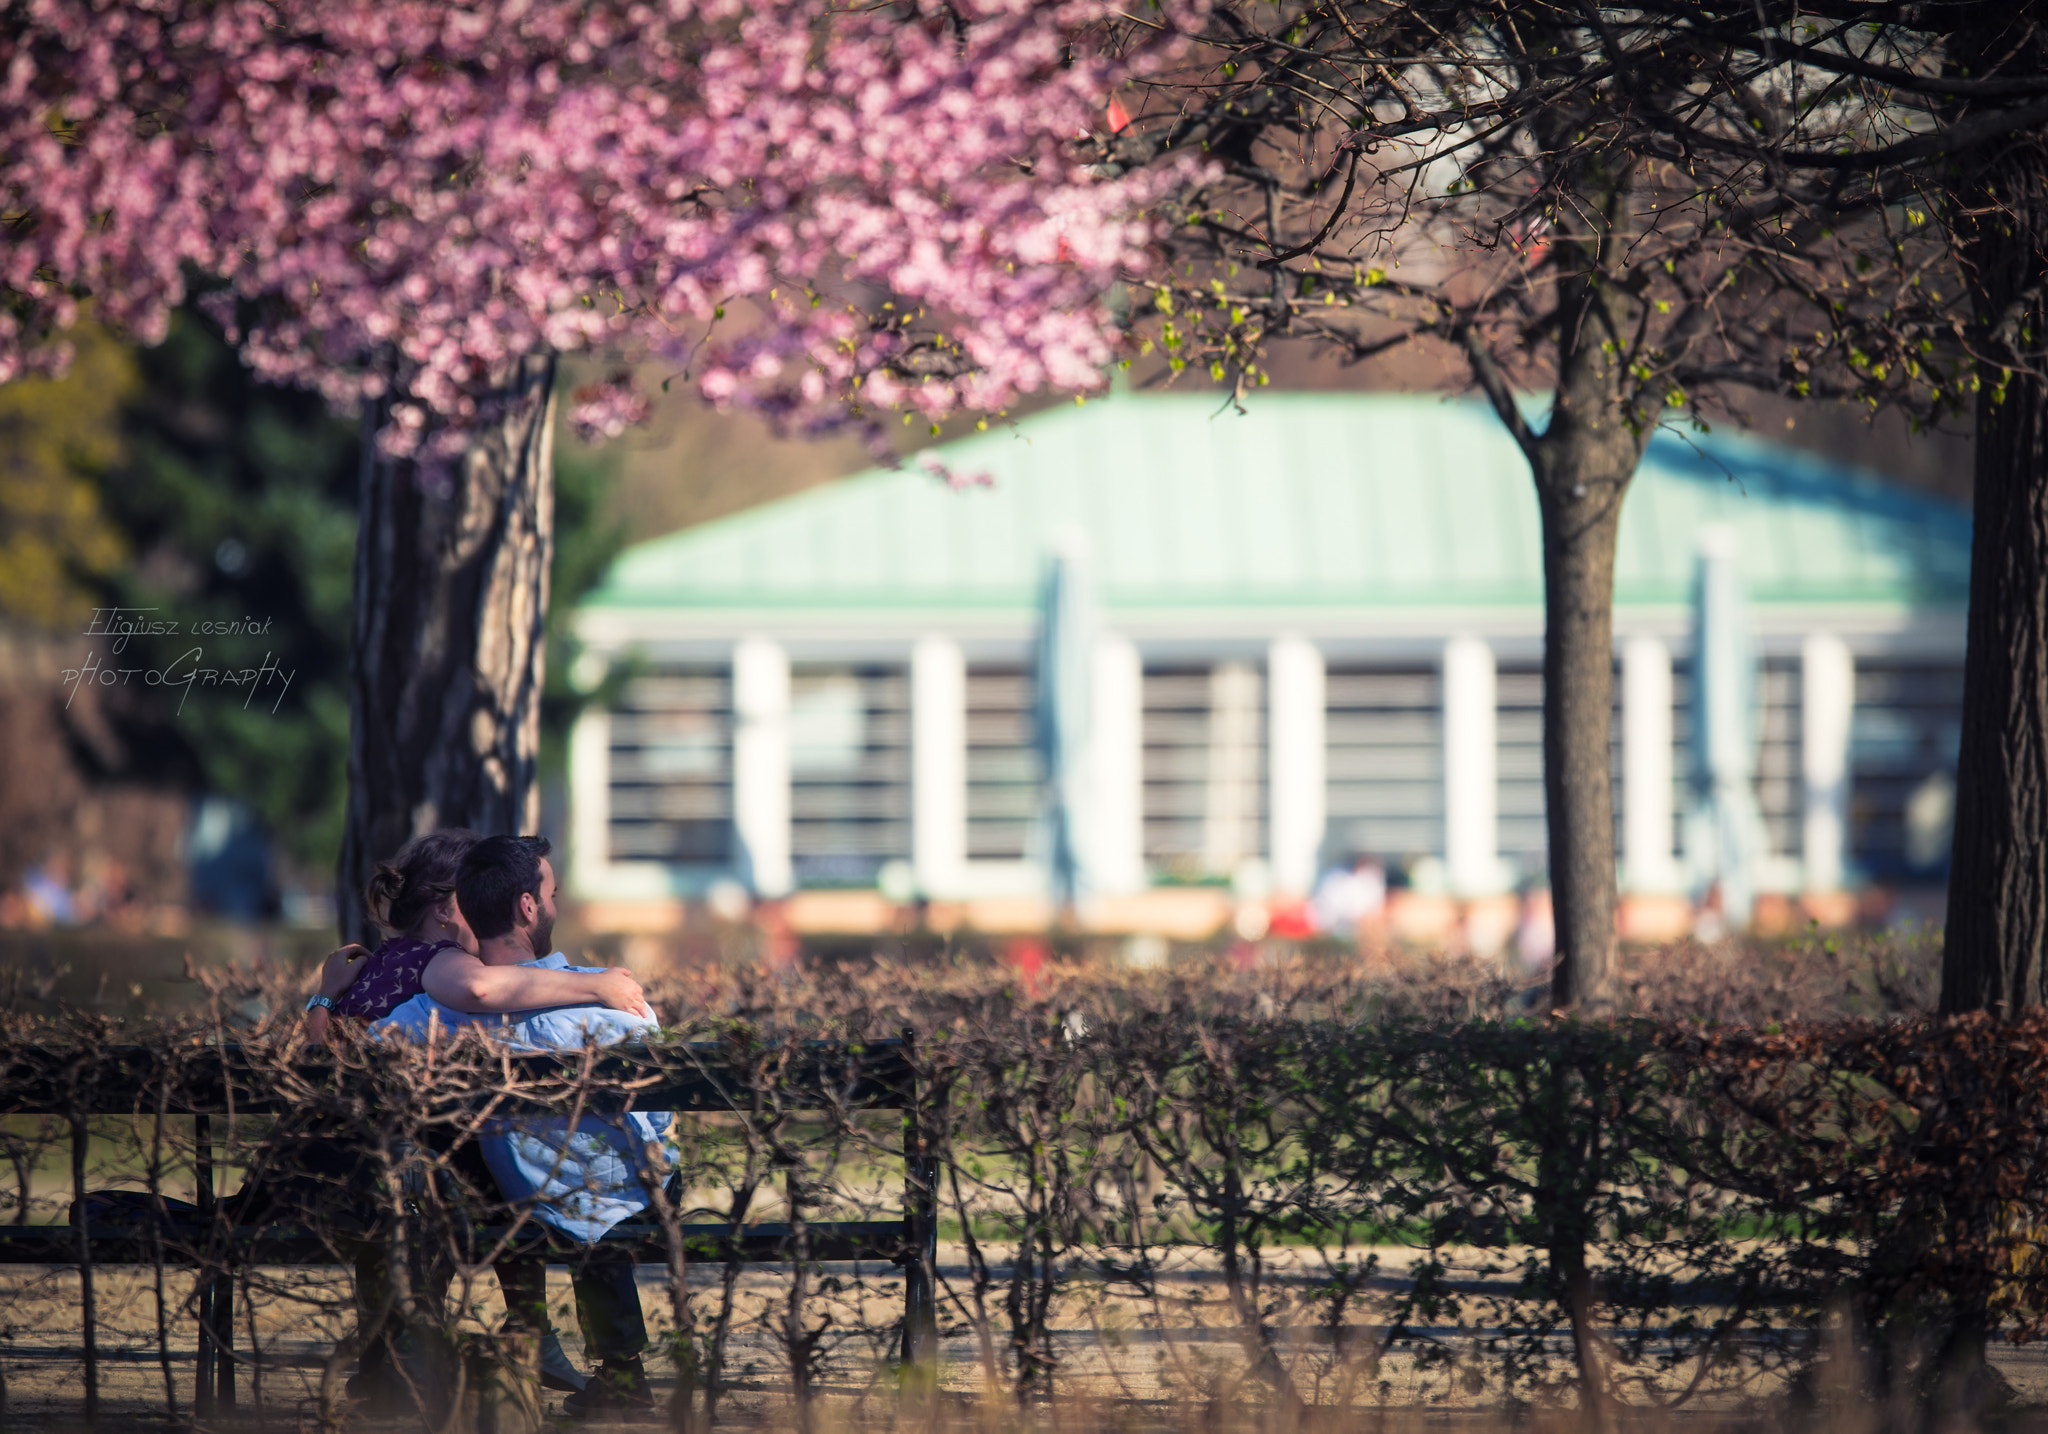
{"x":1471,"y":769}
{"x":1827,"y":701}
{"x":1295,"y":762}
{"x":590,"y":796}
{"x":938,"y":764}
{"x":1647,"y":862}
{"x":1230,"y":804}
{"x":1115,"y":848}
{"x":760,"y":764}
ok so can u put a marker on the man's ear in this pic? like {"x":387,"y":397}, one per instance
{"x":529,"y":908}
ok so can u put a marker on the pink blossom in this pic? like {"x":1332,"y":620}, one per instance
{"x":420,"y":191}
{"x":956,"y":480}
{"x":605,"y":410}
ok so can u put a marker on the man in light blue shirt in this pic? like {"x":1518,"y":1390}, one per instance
{"x":579,"y":1182}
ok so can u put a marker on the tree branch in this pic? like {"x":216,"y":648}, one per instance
{"x":1494,"y":384}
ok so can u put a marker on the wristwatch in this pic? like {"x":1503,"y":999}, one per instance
{"x":320,"y":1002}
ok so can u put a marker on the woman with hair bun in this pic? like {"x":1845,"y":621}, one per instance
{"x":412,"y":898}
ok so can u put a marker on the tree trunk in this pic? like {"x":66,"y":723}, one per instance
{"x":1568,"y":1180}
{"x":1993,"y":948}
{"x":1579,"y":535}
{"x":1582,"y":464}
{"x":451,"y":602}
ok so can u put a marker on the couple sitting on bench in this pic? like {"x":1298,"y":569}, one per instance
{"x":578,"y":1182}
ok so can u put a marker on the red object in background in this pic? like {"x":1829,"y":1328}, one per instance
{"x":1290,"y":921}
{"x":780,"y":945}
{"x":1028,"y":955}
{"x":1119,"y":117}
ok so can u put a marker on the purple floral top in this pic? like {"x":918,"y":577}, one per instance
{"x":392,"y":975}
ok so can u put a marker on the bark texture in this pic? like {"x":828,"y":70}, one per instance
{"x":1580,"y":527}
{"x":1993,"y":948}
{"x":451,"y":601}
{"x":1582,"y":463}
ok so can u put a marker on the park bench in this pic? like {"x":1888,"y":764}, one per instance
{"x":701,"y":1079}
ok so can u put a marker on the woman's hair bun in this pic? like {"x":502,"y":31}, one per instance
{"x":405,"y":888}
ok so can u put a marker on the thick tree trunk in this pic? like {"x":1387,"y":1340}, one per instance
{"x":1581,"y":522}
{"x":451,"y":601}
{"x":1582,"y":464}
{"x":1993,"y":948}
{"x":1997,"y":933}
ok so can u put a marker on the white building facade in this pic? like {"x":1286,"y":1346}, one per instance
{"x":1319,"y":638}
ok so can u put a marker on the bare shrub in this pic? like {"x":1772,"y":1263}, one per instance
{"x":1314,"y":1184}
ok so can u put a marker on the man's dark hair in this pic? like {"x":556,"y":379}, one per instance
{"x":495,"y":874}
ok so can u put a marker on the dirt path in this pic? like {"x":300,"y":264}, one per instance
{"x":1104,"y":1346}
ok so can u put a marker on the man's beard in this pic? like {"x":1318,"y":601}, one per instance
{"x":544,"y":936}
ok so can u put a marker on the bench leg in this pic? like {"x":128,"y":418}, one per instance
{"x":214,"y":1379}
{"x":88,"y":1322}
{"x":920,"y":1294}
{"x":202,"y":1365}
{"x":224,"y":1322}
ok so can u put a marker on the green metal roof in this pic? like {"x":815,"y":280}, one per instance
{"x":1307,"y":500}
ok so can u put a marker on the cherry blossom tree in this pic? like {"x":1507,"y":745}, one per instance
{"x":835,"y":214}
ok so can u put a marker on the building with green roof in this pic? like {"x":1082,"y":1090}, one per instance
{"x":1320,"y":638}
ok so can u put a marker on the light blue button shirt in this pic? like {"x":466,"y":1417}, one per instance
{"x":582,"y":1181}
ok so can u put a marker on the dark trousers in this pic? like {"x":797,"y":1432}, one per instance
{"x":327,"y":1183}
{"x":607,"y":1296}
{"x":607,"y":1301}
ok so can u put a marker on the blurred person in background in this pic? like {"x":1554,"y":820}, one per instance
{"x":48,"y":888}
{"x":1350,"y":898}
{"x":1536,"y":932}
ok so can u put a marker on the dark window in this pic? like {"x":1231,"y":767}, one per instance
{"x":671,"y":768}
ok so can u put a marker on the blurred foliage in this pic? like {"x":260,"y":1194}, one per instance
{"x":238,"y":499}
{"x":170,"y":478}
{"x":58,"y":437}
{"x":587,"y":538}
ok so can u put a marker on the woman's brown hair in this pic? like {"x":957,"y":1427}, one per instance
{"x":406,"y":887}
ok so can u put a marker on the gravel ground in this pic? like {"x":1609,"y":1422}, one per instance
{"x":1154,"y":1363}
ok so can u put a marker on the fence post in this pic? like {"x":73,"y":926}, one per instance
{"x":89,"y":1311}
{"x":224,"y":1311}
{"x":800,"y":1346}
{"x":921,"y":1216}
{"x":202,"y":1197}
{"x":215,"y":1377}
